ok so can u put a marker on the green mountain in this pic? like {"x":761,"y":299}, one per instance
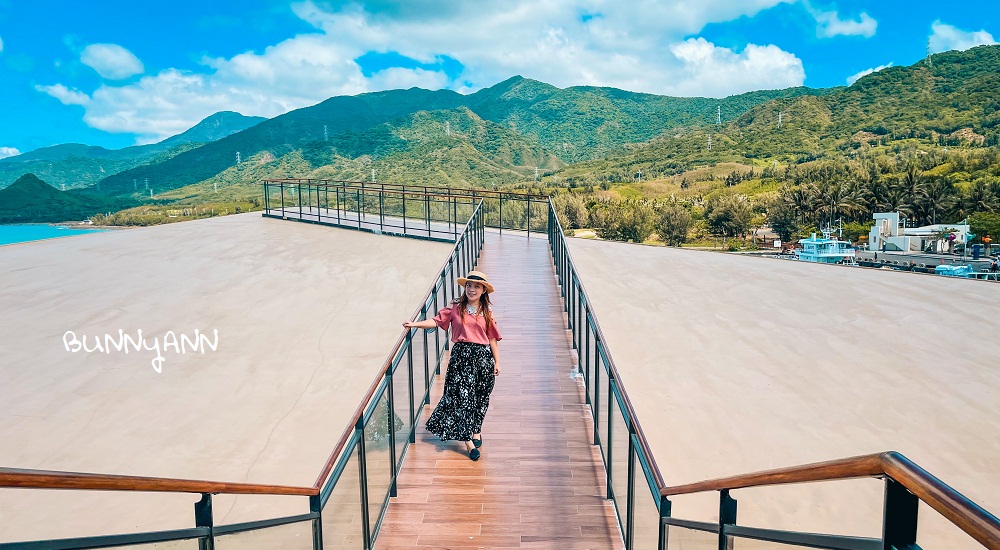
{"x":584,"y":122}
{"x":573,"y":123}
{"x":30,"y":199}
{"x":949,"y":99}
{"x":74,"y":165}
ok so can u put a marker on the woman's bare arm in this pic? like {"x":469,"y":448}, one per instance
{"x":496,"y":357}
{"x":426,"y":324}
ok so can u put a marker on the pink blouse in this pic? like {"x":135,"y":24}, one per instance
{"x":467,"y":328}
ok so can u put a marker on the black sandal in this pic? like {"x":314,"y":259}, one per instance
{"x":477,"y":442}
{"x":474,"y":454}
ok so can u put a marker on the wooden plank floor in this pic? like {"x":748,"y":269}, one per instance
{"x":539,"y":482}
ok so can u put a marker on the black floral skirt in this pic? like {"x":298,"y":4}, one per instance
{"x":467,"y":387}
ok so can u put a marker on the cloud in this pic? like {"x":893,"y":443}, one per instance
{"x":854,"y":77}
{"x":829,"y":24}
{"x":8,"y":152}
{"x":945,"y":38}
{"x":64,"y":94}
{"x":709,"y":67}
{"x":639,"y":46}
{"x":111,"y":61}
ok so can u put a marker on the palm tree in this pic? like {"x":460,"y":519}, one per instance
{"x":938,"y":197}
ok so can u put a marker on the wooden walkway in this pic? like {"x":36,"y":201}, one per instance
{"x":540,"y":482}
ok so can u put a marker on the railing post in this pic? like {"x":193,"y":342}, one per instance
{"x":609,"y":445}
{"x":529,"y":216}
{"x":727,"y":516}
{"x":427,"y":371}
{"x":316,"y":507}
{"x":500,"y":221}
{"x":203,"y":518}
{"x":390,"y":426}
{"x":899,"y":523}
{"x":404,"y":209}
{"x":597,"y":390}
{"x":381,"y":210}
{"x":366,"y":535}
{"x":281,"y":190}
{"x":298,"y":186}
{"x":584,"y":368}
{"x":664,"y":513}
{"x":630,"y":506}
{"x":357,"y":192}
{"x":409,"y":365}
{"x":427,"y":211}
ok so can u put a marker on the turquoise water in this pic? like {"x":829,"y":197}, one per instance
{"x":10,"y":234}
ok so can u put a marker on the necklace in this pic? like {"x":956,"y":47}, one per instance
{"x":471,"y":310}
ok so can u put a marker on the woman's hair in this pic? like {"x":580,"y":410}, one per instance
{"x":484,"y":307}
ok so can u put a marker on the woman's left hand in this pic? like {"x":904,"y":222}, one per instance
{"x":496,"y":369}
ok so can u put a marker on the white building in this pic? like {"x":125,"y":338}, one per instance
{"x":888,"y":235}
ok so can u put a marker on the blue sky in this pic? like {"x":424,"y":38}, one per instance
{"x":116,"y":73}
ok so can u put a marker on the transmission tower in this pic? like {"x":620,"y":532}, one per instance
{"x":238,"y":159}
{"x":929,"y":62}
{"x":326,"y":135}
{"x":135,"y":184}
{"x":780,"y":113}
{"x":536,"y":173}
{"x":718,"y":115}
{"x":147,"y":183}
{"x":447,"y":127}
{"x":710,"y":142}
{"x":373,"y":175}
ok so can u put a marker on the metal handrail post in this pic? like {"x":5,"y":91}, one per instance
{"x":316,"y":507}
{"x":203,"y":518}
{"x":366,"y":535}
{"x":727,"y":516}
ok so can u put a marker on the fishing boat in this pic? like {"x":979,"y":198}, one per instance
{"x":826,"y":249}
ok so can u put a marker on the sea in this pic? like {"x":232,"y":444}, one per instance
{"x":22,"y":233}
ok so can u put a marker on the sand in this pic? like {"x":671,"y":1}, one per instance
{"x":306,"y":315}
{"x":737,"y":364}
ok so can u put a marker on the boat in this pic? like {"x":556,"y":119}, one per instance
{"x":826,"y":249}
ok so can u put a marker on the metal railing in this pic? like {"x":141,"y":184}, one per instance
{"x":644,"y":514}
{"x":501,"y":209}
{"x":371,"y":448}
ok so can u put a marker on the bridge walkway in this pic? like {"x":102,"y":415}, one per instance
{"x":540,"y":481}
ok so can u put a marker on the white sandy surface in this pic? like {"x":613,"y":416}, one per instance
{"x":305,"y":314}
{"x":738,"y":364}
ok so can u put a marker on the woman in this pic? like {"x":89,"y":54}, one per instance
{"x":473,"y":366}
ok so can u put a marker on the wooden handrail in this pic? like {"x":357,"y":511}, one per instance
{"x":46,"y":479}
{"x":955,"y":507}
{"x":965,"y":514}
{"x":845,"y":468}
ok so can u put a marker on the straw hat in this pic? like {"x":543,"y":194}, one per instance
{"x":476,"y":277}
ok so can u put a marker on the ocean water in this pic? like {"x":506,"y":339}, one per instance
{"x":21,"y":233}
